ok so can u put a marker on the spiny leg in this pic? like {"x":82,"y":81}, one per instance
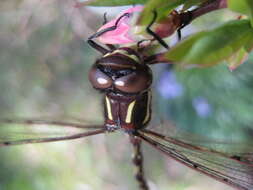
{"x":100,"y":48}
{"x":110,"y":46}
{"x":156,"y":37}
{"x":137,"y":160}
{"x":97,"y":47}
{"x":105,"y":18}
{"x":179,"y":34}
{"x":114,"y":27}
{"x":157,"y":58}
{"x":186,"y":18}
{"x":101,"y":32}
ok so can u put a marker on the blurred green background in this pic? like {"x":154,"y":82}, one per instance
{"x":44,"y":62}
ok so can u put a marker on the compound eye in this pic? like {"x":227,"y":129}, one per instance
{"x":99,"y":79}
{"x":135,"y":82}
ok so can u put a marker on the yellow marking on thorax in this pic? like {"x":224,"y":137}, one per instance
{"x":108,"y":106}
{"x":124,"y":52}
{"x":107,"y":54}
{"x":134,"y":57}
{"x":148,"y":109}
{"x":129,"y":112}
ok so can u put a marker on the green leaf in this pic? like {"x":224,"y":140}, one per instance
{"x":162,"y":7}
{"x":243,"y":7}
{"x":210,"y":47}
{"x":110,"y":2}
{"x":249,"y":45}
{"x":237,"y":59}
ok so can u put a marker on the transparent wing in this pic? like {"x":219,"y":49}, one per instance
{"x":232,"y":147}
{"x":23,"y":131}
{"x":237,"y":149}
{"x":235,"y":170}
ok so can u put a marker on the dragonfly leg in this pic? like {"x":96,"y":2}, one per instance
{"x":103,"y":31}
{"x":137,"y":160}
{"x":97,"y":47}
{"x":111,"y":28}
{"x":186,"y":18}
{"x":152,"y":33}
{"x":157,"y":58}
{"x":110,"y":46}
{"x":105,"y":18}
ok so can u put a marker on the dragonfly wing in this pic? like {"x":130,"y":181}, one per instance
{"x":24,"y":131}
{"x":230,"y":170}
{"x":237,"y":148}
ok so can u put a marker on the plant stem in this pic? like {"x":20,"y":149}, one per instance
{"x":206,"y":8}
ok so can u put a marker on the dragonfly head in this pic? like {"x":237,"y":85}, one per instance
{"x":121,"y":72}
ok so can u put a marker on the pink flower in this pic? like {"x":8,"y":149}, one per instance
{"x":122,"y":34}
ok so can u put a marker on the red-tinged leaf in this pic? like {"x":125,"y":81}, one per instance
{"x":109,"y":2}
{"x":237,"y":59}
{"x":211,"y":47}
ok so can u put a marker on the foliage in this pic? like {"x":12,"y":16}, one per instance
{"x":210,"y":47}
{"x":212,"y":100}
{"x":202,"y":48}
{"x":244,"y":7}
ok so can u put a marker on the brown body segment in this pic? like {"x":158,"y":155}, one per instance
{"x":125,"y":80}
{"x":128,"y":112}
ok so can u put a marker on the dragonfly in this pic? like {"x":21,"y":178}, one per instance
{"x":124,"y":77}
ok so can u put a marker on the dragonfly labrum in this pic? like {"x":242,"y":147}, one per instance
{"x":124,"y":77}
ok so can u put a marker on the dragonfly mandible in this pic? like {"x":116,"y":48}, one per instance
{"x":124,"y":77}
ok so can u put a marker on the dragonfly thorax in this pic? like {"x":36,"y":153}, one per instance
{"x":127,"y":112}
{"x":125,"y":80}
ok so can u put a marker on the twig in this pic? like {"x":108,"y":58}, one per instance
{"x":212,"y":6}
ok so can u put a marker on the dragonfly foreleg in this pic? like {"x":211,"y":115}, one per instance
{"x":156,"y":36}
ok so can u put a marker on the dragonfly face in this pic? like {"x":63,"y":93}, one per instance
{"x":125,"y":79}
